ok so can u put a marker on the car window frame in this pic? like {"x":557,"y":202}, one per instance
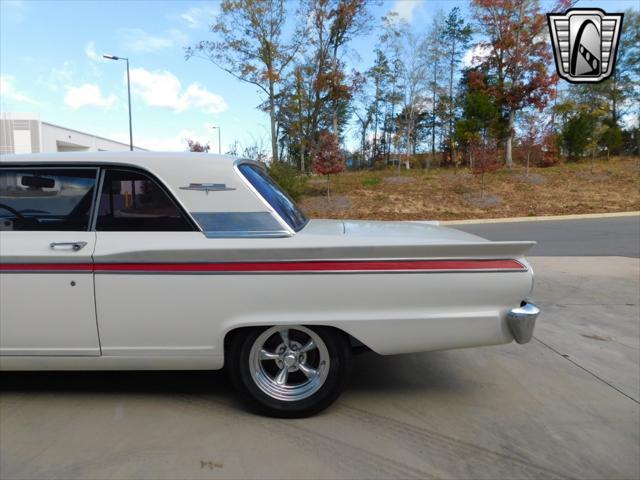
{"x":92,"y":208}
{"x":274,"y":212}
{"x":140,"y":171}
{"x":101,"y":169}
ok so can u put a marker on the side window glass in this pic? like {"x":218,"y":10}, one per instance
{"x":46,"y":199}
{"x":133,"y":202}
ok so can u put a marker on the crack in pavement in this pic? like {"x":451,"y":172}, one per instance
{"x":566,"y":357}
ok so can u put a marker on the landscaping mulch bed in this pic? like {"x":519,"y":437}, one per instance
{"x":532,"y":178}
{"x":479,"y":201}
{"x":442,"y":194}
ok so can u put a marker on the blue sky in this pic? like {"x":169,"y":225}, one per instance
{"x":50,"y":63}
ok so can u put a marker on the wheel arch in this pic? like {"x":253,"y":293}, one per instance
{"x":230,"y":335}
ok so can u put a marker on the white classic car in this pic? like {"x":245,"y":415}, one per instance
{"x":116,"y":261}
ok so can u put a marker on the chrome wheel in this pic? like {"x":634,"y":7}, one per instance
{"x":289,"y":363}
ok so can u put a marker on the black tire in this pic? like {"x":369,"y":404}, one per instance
{"x":238,"y":358}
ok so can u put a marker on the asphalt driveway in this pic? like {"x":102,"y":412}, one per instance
{"x":613,"y":236}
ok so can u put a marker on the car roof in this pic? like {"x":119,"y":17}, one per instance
{"x":141,"y":159}
{"x":176,"y":170}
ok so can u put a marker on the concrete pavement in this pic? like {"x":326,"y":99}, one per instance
{"x":563,"y":406}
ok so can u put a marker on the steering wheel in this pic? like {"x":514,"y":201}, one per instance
{"x":12,"y":210}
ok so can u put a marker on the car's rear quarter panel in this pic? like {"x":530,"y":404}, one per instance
{"x":189,"y":313}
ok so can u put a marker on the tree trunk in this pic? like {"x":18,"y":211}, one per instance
{"x":272,"y":118}
{"x":508,"y":158}
{"x":328,"y":193}
{"x":452,"y":68}
{"x":526,"y":174}
{"x":334,"y":66}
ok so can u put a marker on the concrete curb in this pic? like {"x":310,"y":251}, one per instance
{"x":541,"y":219}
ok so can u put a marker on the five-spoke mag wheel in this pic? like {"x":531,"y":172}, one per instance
{"x":289,"y":370}
{"x":289,"y":363}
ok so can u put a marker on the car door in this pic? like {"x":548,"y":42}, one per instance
{"x":139,"y":226}
{"x":47,"y":304}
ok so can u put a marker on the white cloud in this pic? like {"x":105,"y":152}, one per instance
{"x":163,"y":89}
{"x":90,"y":52}
{"x":405,"y":9}
{"x":474,"y":55}
{"x":88,"y":95}
{"x":58,"y":77}
{"x":138,"y":40}
{"x":8,"y":91}
{"x":201,"y":16}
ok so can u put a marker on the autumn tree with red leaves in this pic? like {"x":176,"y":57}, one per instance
{"x":515,"y":67}
{"x":485,"y":160}
{"x":328,"y":159}
{"x":195,"y":146}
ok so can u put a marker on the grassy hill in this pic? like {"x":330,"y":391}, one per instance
{"x":442,"y":194}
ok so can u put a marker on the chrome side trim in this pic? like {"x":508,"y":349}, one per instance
{"x":522,"y":321}
{"x":208,"y":187}
{"x":249,"y":234}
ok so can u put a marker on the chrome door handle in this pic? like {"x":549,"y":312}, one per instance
{"x":75,"y":246}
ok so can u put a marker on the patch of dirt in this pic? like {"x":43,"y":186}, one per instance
{"x":532,"y":179}
{"x":488,"y":201}
{"x":399,"y":180}
{"x":337,"y":203}
{"x":596,"y":176}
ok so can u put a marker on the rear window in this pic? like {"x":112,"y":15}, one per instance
{"x":274,"y":195}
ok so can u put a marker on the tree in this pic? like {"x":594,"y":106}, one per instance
{"x":328,"y":158}
{"x":481,"y":121}
{"x":391,"y":44}
{"x":414,"y":72}
{"x":485,"y":161}
{"x":434,"y":60}
{"x":456,"y":36}
{"x":363,"y":108}
{"x":250,"y":46}
{"x":332,"y":24}
{"x":531,"y":136}
{"x":577,"y":133}
{"x":517,"y":57}
{"x":195,"y":146}
{"x":379,"y":74}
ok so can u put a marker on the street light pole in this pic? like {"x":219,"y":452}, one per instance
{"x":113,"y":57}
{"x":219,"y":144}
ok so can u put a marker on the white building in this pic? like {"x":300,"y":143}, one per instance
{"x":25,"y":133}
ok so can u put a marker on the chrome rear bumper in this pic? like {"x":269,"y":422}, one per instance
{"x":522,"y":321}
